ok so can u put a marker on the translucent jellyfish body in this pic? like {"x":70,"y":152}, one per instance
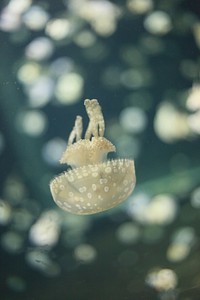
{"x":94,"y":184}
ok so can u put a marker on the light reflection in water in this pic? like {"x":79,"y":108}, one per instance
{"x":61,"y":56}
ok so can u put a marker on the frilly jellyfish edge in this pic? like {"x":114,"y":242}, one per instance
{"x":94,"y":184}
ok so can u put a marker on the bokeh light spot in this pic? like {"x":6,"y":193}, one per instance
{"x":85,"y":253}
{"x":32,"y":123}
{"x":69,"y":88}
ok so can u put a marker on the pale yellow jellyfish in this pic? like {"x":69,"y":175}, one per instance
{"x":94,"y":184}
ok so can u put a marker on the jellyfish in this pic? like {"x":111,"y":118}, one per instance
{"x":93,"y":183}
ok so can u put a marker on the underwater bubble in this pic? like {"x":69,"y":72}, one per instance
{"x":5,"y":212}
{"x":35,"y":18}
{"x":61,"y":66}
{"x":75,"y":228}
{"x":137,"y":206}
{"x":177,"y":252}
{"x":75,"y":223}
{"x":16,"y":283}
{"x":162,"y":279}
{"x":58,"y":29}
{"x":29,"y":72}
{"x":19,"y":6}
{"x":131,"y":78}
{"x":105,"y":28}
{"x":33,"y":122}
{"x":39,"y":49}
{"x":136,"y":78}
{"x":133,"y":119}
{"x":140,"y":6}
{"x":22,"y":219}
{"x":52,"y":151}
{"x":102,"y":15}
{"x":185,"y":235}
{"x":128,"y":233}
{"x":85,"y":253}
{"x":152,"y":45}
{"x":193,"y":100}
{"x":182,"y":242}
{"x":195,"y":198}
{"x":41,"y":261}
{"x":9,"y":20}
{"x":96,"y":52}
{"x":161,"y":210}
{"x":14,"y":190}
{"x":194,"y":122}
{"x":69,"y":88}
{"x":158,"y":22}
{"x":85,"y":39}
{"x":189,"y":68}
{"x":196,"y":32}
{"x":12,"y":242}
{"x":128,"y":146}
{"x":46,"y":230}
{"x":170,"y":124}
{"x":11,"y":14}
{"x":133,"y":56}
{"x":40,"y":92}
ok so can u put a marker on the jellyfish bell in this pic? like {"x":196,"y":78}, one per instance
{"x":94,"y":188}
{"x":94,"y":184}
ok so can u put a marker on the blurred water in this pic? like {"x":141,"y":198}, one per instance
{"x":140,"y":59}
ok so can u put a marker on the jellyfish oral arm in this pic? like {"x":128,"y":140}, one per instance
{"x":96,"y":125}
{"x":77,"y":130}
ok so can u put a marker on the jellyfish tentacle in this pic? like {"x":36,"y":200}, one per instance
{"x":96,"y":126}
{"x":77,"y":130}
